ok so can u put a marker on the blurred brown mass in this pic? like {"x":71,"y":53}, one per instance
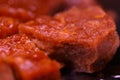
{"x":28,"y":9}
{"x":6,"y":71}
{"x":26,"y":61}
{"x":85,"y":38}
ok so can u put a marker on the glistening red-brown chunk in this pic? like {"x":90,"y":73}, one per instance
{"x":26,"y":60}
{"x":8,"y":26}
{"x":86,"y":38}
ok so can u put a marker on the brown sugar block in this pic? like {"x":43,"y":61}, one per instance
{"x":86,"y":38}
{"x":26,"y":60}
{"x":8,"y":26}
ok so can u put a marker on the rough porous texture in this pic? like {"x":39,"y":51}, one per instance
{"x":86,"y":38}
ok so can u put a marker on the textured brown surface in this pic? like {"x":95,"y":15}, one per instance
{"x":86,"y":38}
{"x":26,"y":60}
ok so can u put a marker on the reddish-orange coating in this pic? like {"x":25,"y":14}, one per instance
{"x":80,"y":36}
{"x":70,"y":26}
{"x":28,"y":62}
{"x":8,"y":26}
{"x":28,"y":9}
